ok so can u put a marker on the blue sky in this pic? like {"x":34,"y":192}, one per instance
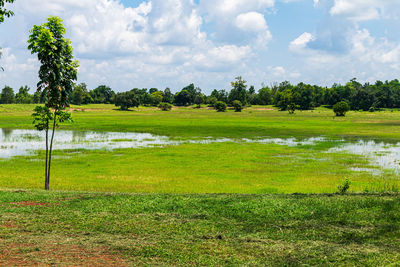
{"x":160,"y":43}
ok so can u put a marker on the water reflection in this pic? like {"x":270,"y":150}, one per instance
{"x":5,"y":133}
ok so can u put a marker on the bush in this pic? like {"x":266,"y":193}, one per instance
{"x":237,"y":105}
{"x":165,"y":106}
{"x":341,"y":108}
{"x":126,"y":100}
{"x":291,"y":108}
{"x":344,"y":186}
{"x":220,"y":106}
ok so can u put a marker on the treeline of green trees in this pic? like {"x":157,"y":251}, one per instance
{"x":285,"y":95}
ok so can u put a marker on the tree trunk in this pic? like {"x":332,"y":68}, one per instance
{"x":46,"y":181}
{"x":51,"y":148}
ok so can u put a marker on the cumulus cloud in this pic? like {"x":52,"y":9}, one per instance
{"x":125,"y":46}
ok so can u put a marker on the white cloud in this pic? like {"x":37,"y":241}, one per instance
{"x":300,"y":43}
{"x":251,"y":21}
{"x":361,"y":10}
{"x":158,"y":42}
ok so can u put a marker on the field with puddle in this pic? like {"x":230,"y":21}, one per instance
{"x":145,"y":162}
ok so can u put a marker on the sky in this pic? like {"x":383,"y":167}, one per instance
{"x":171,"y":43}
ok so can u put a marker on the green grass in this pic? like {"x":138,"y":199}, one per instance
{"x":180,"y":222}
{"x":187,"y":122}
{"x":212,"y":168}
{"x":272,"y":230}
{"x":196,"y":168}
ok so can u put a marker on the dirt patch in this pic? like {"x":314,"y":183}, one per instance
{"x":29,"y":203}
{"x":8,"y":224}
{"x":56,"y":254}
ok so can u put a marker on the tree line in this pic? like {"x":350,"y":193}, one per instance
{"x":284,"y":95}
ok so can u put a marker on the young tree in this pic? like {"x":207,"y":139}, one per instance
{"x":57,"y":72}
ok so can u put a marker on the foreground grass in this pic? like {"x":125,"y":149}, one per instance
{"x":118,"y":229}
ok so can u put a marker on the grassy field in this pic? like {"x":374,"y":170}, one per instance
{"x":212,"y":168}
{"x":187,"y":122}
{"x":65,"y":228}
{"x":228,"y":203}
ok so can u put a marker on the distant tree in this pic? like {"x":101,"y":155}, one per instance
{"x":264,"y":96}
{"x":191,"y":93}
{"x":38,"y":97}
{"x":252,"y":96}
{"x":156,"y":98}
{"x":7,"y":95}
{"x":165,"y":106}
{"x":23,"y":96}
{"x":126,"y":100}
{"x":153,"y":90}
{"x":57,"y":72}
{"x":168,"y":96}
{"x":80,"y":95}
{"x":220,"y":95}
{"x":237,"y":105}
{"x":341,"y":108}
{"x":211,"y":100}
{"x":182,"y":98}
{"x":220,"y":106}
{"x":238,"y":91}
{"x":199,"y":99}
{"x":102,"y":94}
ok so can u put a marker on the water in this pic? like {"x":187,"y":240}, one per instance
{"x":25,"y":142}
{"x":380,"y":154}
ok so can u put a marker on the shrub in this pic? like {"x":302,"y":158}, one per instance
{"x":165,"y":106}
{"x":220,"y":106}
{"x":126,"y":100}
{"x":237,"y":105}
{"x":342,"y":188}
{"x":291,"y":108}
{"x":341,"y":108}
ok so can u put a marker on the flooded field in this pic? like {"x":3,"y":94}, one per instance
{"x":13,"y":143}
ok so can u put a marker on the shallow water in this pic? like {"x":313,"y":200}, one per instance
{"x":25,"y":142}
{"x":380,"y":154}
